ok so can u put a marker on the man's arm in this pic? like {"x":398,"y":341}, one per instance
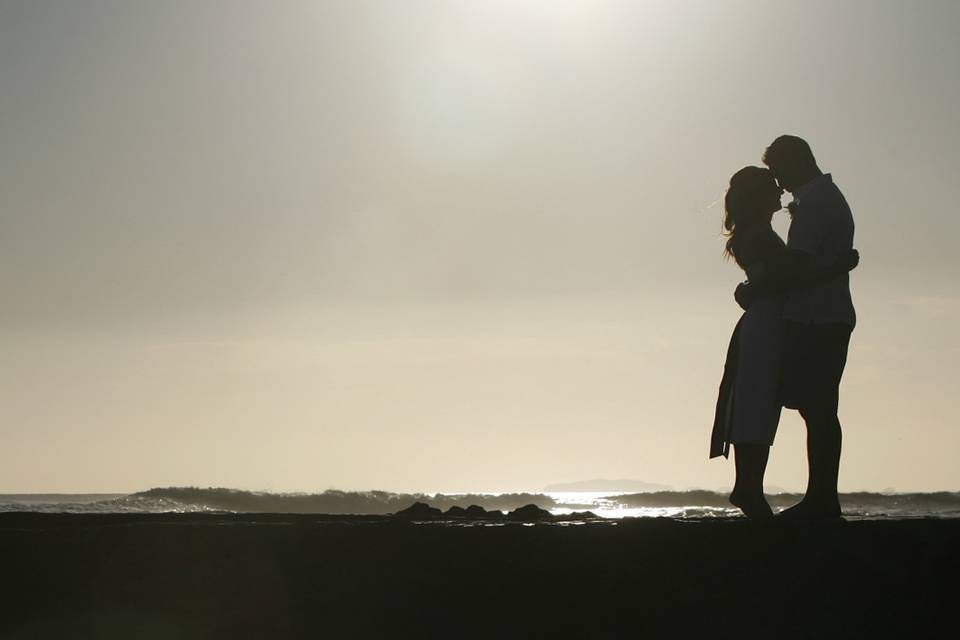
{"x":797,"y":271}
{"x":801,"y":266}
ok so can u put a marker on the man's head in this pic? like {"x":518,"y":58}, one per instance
{"x":791,"y":162}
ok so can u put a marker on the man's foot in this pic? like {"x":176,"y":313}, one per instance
{"x":754,"y":507}
{"x":812,"y":510}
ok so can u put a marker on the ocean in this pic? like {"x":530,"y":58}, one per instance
{"x":696,"y":504}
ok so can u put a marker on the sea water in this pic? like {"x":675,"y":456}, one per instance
{"x":606,"y":505}
{"x":669,"y":504}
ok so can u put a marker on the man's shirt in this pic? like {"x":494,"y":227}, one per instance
{"x":822,"y":227}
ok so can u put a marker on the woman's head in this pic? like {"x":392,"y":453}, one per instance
{"x":752,"y":199}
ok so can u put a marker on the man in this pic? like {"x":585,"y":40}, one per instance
{"x":819,"y":318}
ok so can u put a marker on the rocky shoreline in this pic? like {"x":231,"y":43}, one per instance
{"x":290,"y":576}
{"x":419,"y":511}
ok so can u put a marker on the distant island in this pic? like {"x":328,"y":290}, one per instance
{"x":635,"y":486}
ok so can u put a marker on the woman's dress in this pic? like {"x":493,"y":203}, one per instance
{"x":748,"y":406}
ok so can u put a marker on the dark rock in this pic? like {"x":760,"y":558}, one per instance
{"x":476,"y":512}
{"x":579,"y":515}
{"x":455,"y":512}
{"x":530,"y":512}
{"x":419,"y":511}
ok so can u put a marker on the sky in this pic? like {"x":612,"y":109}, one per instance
{"x":450,"y":246}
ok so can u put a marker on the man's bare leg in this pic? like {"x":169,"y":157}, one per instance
{"x":824,"y":442}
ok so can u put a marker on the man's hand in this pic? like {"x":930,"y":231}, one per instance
{"x":743,"y":295}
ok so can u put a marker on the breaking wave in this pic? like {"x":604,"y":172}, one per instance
{"x":674,"y":504}
{"x":332,"y":501}
{"x":196,"y":500}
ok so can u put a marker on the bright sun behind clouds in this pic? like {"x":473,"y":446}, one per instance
{"x":448,"y":245}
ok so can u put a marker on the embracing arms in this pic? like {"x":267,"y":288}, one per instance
{"x":795,"y":271}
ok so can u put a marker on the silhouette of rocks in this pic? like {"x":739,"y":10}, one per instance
{"x":476,"y":512}
{"x":418,"y":511}
{"x":530,"y":512}
{"x":579,"y":515}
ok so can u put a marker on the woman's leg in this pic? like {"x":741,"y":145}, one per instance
{"x":751,"y":464}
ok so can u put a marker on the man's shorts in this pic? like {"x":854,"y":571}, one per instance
{"x":814,"y":356}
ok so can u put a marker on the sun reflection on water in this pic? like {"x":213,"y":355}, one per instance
{"x":603,"y":506}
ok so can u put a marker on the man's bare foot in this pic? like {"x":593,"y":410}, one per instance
{"x":754,"y":507}
{"x":811,"y":510}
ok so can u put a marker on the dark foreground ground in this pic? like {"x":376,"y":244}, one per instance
{"x":277,"y":576}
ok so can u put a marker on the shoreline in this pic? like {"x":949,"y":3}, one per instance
{"x":288,"y":575}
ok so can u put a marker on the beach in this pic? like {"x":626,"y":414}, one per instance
{"x":286,"y":575}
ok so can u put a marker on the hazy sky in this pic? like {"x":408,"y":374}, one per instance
{"x":450,"y":245}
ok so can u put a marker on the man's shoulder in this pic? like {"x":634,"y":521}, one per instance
{"x":825,"y":201}
{"x":824,"y":190}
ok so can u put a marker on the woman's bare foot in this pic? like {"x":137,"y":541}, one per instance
{"x":754,"y":507}
{"x":811,"y":510}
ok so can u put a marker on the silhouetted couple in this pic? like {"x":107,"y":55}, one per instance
{"x":790,"y":346}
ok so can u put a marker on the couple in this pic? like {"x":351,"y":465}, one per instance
{"x":790,"y":346}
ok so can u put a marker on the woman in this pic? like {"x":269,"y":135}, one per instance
{"x":748,"y":409}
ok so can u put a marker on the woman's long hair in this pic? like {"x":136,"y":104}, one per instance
{"x":742,"y":207}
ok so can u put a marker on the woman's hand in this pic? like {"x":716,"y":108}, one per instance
{"x":849,"y":261}
{"x":743,"y":295}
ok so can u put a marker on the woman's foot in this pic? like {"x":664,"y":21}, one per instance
{"x":747,"y":494}
{"x":754,"y":507}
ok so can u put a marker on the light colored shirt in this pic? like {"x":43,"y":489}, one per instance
{"x":822,"y":227}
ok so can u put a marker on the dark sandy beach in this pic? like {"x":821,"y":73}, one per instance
{"x":275,"y":576}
